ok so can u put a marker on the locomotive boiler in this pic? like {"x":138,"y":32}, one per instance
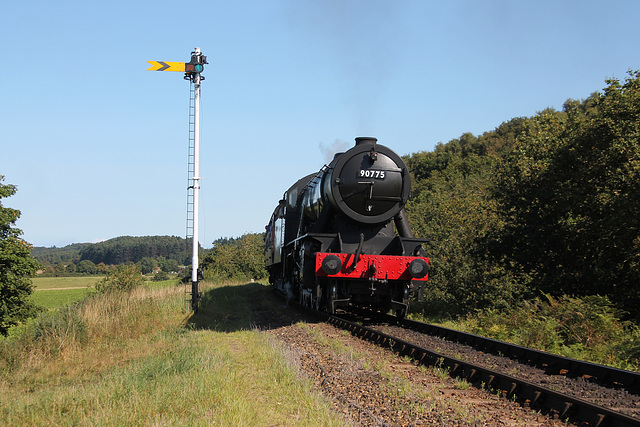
{"x":341,"y":236}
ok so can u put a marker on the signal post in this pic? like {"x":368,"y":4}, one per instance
{"x":192,"y":72}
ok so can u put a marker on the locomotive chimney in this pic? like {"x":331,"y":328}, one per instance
{"x":366,"y":140}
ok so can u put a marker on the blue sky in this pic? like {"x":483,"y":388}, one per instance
{"x":97,"y":145}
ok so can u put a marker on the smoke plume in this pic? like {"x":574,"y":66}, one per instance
{"x":328,"y":152}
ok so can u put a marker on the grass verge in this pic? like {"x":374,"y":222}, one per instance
{"x":138,"y":359}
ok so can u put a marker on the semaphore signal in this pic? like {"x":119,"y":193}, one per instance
{"x":192,"y":70}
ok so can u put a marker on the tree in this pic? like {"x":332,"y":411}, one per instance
{"x":124,"y":278}
{"x":125,"y":249}
{"x":147,"y":265}
{"x":569,"y":193}
{"x":241,"y":258}
{"x":16,"y":266}
{"x":451,"y":204}
{"x":86,"y":267}
{"x":168,"y":265}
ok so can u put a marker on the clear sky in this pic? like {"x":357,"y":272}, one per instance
{"x":97,"y":145}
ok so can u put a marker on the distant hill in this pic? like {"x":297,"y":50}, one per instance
{"x":119,"y":250}
{"x":54,"y":255}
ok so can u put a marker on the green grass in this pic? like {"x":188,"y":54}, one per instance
{"x":42,"y":283}
{"x":56,"y":292}
{"x":139,"y":359}
{"x":58,"y":298}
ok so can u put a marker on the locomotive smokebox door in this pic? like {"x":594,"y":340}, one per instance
{"x":370,"y":185}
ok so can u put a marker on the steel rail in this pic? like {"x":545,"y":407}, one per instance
{"x":525,"y":392}
{"x":549,"y":362}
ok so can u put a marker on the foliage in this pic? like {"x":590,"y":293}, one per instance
{"x":587,"y":328}
{"x":168,"y":265}
{"x":541,"y":204}
{"x":569,"y":193}
{"x":54,"y":255}
{"x":241,"y":258}
{"x":161,"y":276}
{"x":147,"y":265}
{"x":451,"y":204}
{"x":16,"y":266}
{"x":121,"y":250}
{"x":167,"y":252}
{"x":86,"y":267}
{"x":124,"y":278}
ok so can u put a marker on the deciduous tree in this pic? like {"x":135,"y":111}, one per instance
{"x":16,"y":266}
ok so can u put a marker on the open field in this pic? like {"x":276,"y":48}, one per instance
{"x":43,"y":283}
{"x":55,"y":292}
{"x":139,"y":359}
{"x":57,"y":298}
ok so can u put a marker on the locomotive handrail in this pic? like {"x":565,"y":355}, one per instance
{"x":304,"y":236}
{"x":322,"y":170}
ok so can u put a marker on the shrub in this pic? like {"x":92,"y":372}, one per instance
{"x":124,"y":278}
{"x":588,"y":328}
{"x":238,"y":259}
{"x":161,"y":276}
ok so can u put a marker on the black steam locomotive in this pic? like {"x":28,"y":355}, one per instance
{"x":341,"y":236}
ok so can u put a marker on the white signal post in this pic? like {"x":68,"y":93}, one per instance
{"x":195,"y":78}
{"x":192,"y":70}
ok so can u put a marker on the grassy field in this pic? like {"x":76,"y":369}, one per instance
{"x":43,"y":283}
{"x":139,"y":359}
{"x":55,"y":292}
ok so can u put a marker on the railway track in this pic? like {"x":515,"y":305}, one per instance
{"x":552,"y":364}
{"x":568,"y":389}
{"x":581,"y":392}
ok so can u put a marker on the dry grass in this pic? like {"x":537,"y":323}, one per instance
{"x":138,"y":359}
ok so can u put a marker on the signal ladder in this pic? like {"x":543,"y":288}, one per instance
{"x":191,"y":173}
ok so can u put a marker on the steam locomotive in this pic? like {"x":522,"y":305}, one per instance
{"x":341,"y":236}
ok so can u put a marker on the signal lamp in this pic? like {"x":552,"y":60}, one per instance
{"x":193,"y":68}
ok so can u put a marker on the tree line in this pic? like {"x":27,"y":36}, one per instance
{"x":541,"y":206}
{"x":149,"y":252}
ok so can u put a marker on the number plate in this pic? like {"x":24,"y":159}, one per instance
{"x":371,"y":173}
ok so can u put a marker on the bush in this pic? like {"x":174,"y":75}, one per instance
{"x":586,"y":328}
{"x":238,"y":259}
{"x":124,"y":278}
{"x":161,"y":276}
